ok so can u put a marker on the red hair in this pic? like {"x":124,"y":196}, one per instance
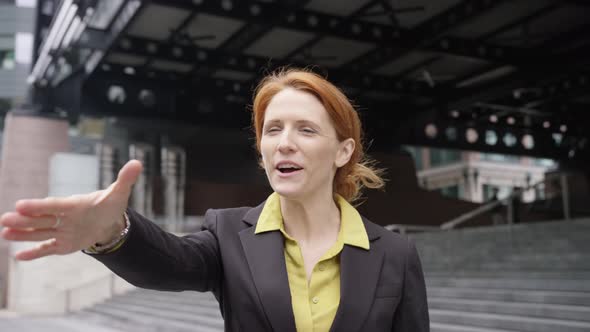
{"x":358,"y":172}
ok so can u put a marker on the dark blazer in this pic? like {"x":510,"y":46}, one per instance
{"x":382,"y":289}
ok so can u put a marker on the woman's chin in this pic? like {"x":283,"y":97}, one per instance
{"x":288,"y":191}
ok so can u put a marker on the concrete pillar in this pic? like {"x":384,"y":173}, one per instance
{"x":174,"y":175}
{"x":141,"y":196}
{"x":425,"y":158}
{"x":28,"y":144}
{"x":108,"y":159}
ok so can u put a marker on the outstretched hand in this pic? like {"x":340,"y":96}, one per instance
{"x":69,"y":224}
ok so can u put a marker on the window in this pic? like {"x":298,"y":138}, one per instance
{"x":416,"y":153}
{"x":544,"y":162}
{"x":5,"y":105}
{"x":500,"y":157}
{"x":439,"y":157}
{"x":501,"y":192}
{"x":450,"y":192}
{"x":6,"y":59}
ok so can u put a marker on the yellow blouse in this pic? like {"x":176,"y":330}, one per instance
{"x":315,"y":304}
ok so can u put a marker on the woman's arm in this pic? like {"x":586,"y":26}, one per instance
{"x":412,"y":312}
{"x":148,"y":257}
{"x":152,"y":258}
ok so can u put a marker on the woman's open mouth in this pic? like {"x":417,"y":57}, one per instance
{"x":288,"y":169}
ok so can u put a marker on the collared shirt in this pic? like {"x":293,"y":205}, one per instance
{"x":315,"y":303}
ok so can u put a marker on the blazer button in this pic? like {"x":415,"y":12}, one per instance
{"x":315,"y":300}
{"x":322,"y":267}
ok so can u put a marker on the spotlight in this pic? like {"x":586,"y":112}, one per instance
{"x":430,"y":130}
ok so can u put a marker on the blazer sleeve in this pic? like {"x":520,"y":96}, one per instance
{"x":152,"y":258}
{"x":412,"y":312}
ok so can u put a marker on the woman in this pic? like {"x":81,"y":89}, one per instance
{"x":303,"y":260}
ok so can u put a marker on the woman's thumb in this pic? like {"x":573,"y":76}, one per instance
{"x":128,"y":176}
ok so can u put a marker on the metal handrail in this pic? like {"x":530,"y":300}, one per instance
{"x":403,"y":228}
{"x":488,"y":206}
{"x":417,"y":228}
{"x":471,"y":214}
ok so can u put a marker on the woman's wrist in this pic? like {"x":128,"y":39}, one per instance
{"x":114,"y":231}
{"x":114,"y":242}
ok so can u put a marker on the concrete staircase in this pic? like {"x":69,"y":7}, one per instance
{"x":152,"y":311}
{"x":527,"y":277}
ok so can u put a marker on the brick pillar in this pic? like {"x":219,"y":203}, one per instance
{"x":28,"y":144}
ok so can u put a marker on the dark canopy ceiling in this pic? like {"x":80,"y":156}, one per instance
{"x":488,"y":75}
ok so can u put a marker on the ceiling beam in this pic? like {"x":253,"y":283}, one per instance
{"x":253,"y":64}
{"x":488,"y":52}
{"x":522,"y":21}
{"x":263,"y":16}
{"x":534,"y":75}
{"x":276,"y":14}
{"x":246,"y":36}
{"x":348,"y":20}
{"x":423,"y":36}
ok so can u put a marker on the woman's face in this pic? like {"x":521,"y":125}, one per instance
{"x":299,"y":147}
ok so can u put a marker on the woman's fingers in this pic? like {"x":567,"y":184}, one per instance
{"x":17,"y":220}
{"x":14,"y":234}
{"x":128,"y":176}
{"x":45,"y":206}
{"x":43,"y":249}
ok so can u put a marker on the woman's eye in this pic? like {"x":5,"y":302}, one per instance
{"x":272,"y":129}
{"x":308,"y":130}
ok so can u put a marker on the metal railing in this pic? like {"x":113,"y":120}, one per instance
{"x":470,"y":215}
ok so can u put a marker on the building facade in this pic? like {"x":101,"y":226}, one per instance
{"x":17,"y":24}
{"x":479,"y":177}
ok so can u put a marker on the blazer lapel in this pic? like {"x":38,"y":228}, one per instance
{"x":266,"y":260}
{"x":359,"y":274}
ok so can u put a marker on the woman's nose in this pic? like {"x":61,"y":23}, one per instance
{"x":286,"y":142}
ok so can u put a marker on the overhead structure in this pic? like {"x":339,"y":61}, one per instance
{"x":488,"y":75}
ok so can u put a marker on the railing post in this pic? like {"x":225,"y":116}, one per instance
{"x":565,"y":197}
{"x":510,"y":211}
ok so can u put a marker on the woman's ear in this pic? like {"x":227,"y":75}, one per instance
{"x":345,"y":150}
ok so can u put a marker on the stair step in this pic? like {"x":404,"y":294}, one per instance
{"x":172,"y":299}
{"x":521,"y":274}
{"x":509,"y":322}
{"x":512,"y":283}
{"x":170,"y":315}
{"x":578,"y":313}
{"x":52,"y":324}
{"x":146,"y":323}
{"x":189,"y":308}
{"x":549,"y":297}
{"x":548,"y":266}
{"x":439,"y":327}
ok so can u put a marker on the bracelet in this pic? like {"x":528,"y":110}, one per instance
{"x":114,"y":244}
